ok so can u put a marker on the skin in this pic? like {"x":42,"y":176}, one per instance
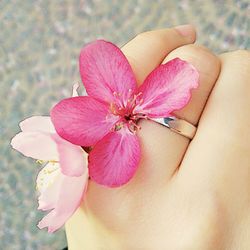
{"x":185,"y":195}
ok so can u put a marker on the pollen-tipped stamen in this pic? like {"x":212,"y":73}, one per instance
{"x":133,"y":127}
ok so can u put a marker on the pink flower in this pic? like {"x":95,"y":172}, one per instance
{"x":107,"y":118}
{"x":63,"y":181}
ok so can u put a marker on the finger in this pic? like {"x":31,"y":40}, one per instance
{"x":208,"y":66}
{"x":220,"y":153}
{"x":164,"y":147}
{"x":147,"y":50}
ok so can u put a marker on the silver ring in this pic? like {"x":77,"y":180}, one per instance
{"x":177,"y":125}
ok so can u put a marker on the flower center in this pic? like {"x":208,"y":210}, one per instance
{"x":47,"y":175}
{"x":126,"y":111}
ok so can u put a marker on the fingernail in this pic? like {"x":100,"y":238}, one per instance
{"x":185,"y":30}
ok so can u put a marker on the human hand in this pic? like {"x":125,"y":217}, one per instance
{"x":185,"y":195}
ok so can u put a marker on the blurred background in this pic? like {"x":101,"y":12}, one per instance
{"x":39,"y":46}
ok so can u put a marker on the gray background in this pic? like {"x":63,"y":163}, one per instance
{"x":39,"y":46}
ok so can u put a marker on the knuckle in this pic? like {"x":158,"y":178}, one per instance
{"x":242,"y":55}
{"x":144,"y":34}
{"x":155,"y":37}
{"x":194,"y":49}
{"x":240,"y":59}
{"x":201,"y":57}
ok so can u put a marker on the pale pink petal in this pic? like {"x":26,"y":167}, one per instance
{"x":37,"y":124}
{"x":167,"y":88}
{"x":37,"y":145}
{"x":72,"y":158}
{"x":82,"y":120}
{"x":114,"y":159}
{"x":69,"y":199}
{"x":74,"y":90}
{"x":49,"y":183}
{"x":104,"y":70}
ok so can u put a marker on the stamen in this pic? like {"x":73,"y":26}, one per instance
{"x":118,"y":126}
{"x":116,"y":94}
{"x":40,"y":162}
{"x":133,"y":127}
{"x":143,"y":116}
{"x":47,"y":176}
{"x":53,"y":162}
{"x":137,"y":126}
{"x":113,"y":108}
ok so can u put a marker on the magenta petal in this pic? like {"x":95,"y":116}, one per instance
{"x":114,"y":160}
{"x":37,"y":123}
{"x":168,"y":88}
{"x":66,"y":203}
{"x":82,"y":120}
{"x":37,"y":145}
{"x":104,"y":70}
{"x":72,"y":158}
